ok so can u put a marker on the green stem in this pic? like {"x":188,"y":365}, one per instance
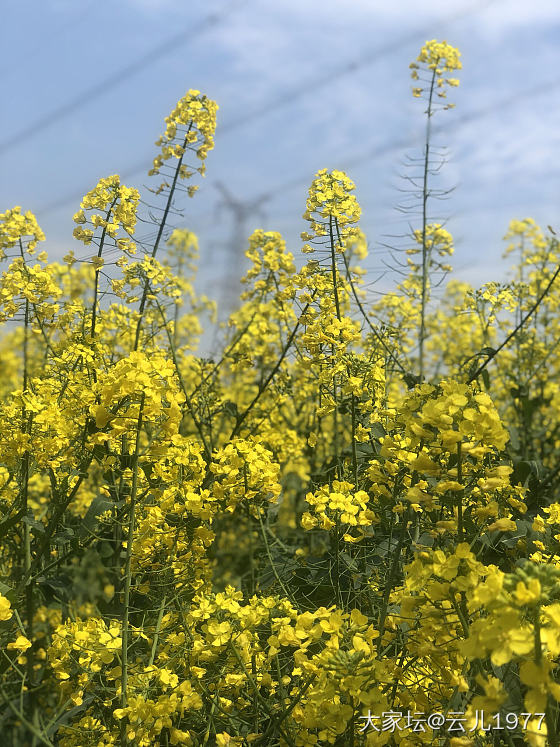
{"x":512,"y":334}
{"x":97,"y":271}
{"x":333,"y":269}
{"x":156,"y":633}
{"x":262,"y":388}
{"x":272,"y":565}
{"x":29,"y":586}
{"x":127,"y":570}
{"x":37,"y":734}
{"x":364,"y":313}
{"x":460,"y":493}
{"x":550,"y":720}
{"x":161,"y":228}
{"x":188,"y":402}
{"x":425,"y":250}
{"x":354,"y":451}
{"x":391,"y":580}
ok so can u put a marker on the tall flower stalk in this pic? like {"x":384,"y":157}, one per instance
{"x":189,"y":130}
{"x":434,"y":61}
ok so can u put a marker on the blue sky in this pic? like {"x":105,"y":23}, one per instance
{"x":283,"y":67}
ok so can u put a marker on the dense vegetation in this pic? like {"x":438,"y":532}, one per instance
{"x":342,"y":531}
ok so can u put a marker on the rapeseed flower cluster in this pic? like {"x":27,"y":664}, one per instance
{"x":331,"y":208}
{"x":17,"y":226}
{"x":189,"y":127}
{"x":438,"y":58}
{"x":118,"y":205}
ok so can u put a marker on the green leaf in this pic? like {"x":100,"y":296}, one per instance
{"x":411,"y":380}
{"x":230,"y":408}
{"x":377,"y":430}
{"x":105,"y":550}
{"x":99,"y":505}
{"x":65,"y":534}
{"x":56,"y":587}
{"x":34,"y":524}
{"x":7,"y":591}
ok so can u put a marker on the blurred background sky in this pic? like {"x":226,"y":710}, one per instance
{"x":301,"y":85}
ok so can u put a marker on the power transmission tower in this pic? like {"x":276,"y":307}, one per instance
{"x":242,"y":211}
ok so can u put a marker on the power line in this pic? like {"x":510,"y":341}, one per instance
{"x":296,"y":93}
{"x":69,"y":198}
{"x":88,"y":95}
{"x":321,"y":81}
{"x":401,"y":143}
{"x":370,"y":153}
